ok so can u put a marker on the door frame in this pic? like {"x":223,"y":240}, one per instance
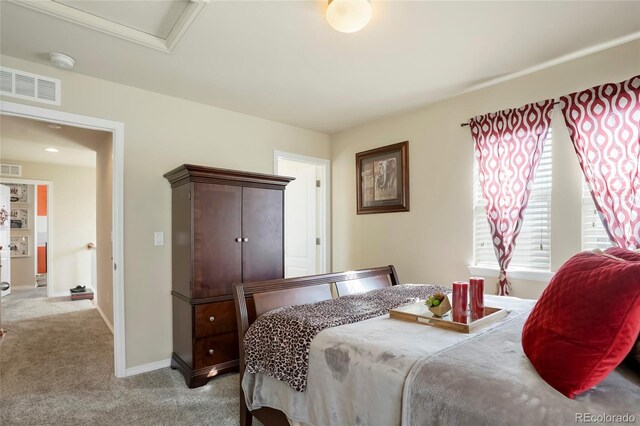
{"x":34,"y":245}
{"x":116,"y":129}
{"x":324,"y":208}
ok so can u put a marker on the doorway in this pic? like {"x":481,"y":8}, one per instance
{"x":27,"y":263}
{"x":306,"y":213}
{"x":116,"y":130}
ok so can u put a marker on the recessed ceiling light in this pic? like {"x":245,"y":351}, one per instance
{"x":51,"y":149}
{"x":54,"y":126}
{"x":61,"y":60}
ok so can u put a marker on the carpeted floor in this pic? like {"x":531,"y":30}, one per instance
{"x":56,"y":368}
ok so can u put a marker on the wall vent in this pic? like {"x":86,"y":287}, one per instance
{"x":10,"y":170}
{"x":25,"y":85}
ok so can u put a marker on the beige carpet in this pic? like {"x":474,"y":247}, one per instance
{"x":56,"y":368}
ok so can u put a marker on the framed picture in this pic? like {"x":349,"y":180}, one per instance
{"x":18,"y":192}
{"x":19,"y":218}
{"x":382,"y":176}
{"x":19,"y":246}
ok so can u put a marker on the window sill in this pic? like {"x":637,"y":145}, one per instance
{"x":518,"y":274}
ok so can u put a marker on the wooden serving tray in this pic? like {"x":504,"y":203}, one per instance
{"x":420,"y":313}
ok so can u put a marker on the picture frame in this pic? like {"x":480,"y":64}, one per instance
{"x":19,"y":218}
{"x":19,"y":246}
{"x":382,"y":179}
{"x":18,"y":192}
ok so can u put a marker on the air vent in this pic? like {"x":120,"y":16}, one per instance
{"x":10,"y":170}
{"x":34,"y":87}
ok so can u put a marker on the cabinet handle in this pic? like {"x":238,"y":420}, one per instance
{"x":238,"y":240}
{"x":212,"y":319}
{"x":245,"y":240}
{"x":210,"y":351}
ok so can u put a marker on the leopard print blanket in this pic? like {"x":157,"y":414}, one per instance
{"x":277,"y":343}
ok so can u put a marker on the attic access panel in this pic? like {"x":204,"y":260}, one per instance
{"x":156,"y":24}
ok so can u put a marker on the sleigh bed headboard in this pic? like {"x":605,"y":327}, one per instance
{"x":254,"y":299}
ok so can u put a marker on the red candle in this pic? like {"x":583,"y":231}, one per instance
{"x":460,"y":301}
{"x":476,"y":294}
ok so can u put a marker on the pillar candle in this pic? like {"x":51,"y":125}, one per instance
{"x":460,"y":301}
{"x":476,"y":296}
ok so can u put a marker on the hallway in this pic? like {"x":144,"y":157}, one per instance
{"x":56,"y":367}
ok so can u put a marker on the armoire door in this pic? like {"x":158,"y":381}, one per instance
{"x":262,"y":231}
{"x":217,"y":241}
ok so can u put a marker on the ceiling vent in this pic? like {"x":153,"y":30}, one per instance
{"x":33,"y":87}
{"x":11,"y":170}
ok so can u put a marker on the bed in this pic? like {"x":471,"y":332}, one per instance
{"x":382,"y":371}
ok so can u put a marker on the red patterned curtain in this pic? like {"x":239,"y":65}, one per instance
{"x":604,"y":124}
{"x":508,"y":147}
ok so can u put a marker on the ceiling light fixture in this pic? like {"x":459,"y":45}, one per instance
{"x":349,"y":16}
{"x":61,"y":60}
{"x":51,"y":149}
{"x":55,"y":126}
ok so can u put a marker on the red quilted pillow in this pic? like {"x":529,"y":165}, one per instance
{"x":585,"y":322}
{"x":631,"y":256}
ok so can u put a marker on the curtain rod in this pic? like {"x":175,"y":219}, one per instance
{"x":466,"y":124}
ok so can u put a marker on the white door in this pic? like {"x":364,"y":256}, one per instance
{"x":5,"y":232}
{"x":299,"y":218}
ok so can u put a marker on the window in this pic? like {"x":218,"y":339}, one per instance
{"x":533,"y":245}
{"x":593,"y":234}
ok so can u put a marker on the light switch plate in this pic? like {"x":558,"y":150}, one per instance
{"x":159,"y":238}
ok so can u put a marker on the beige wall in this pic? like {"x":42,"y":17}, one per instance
{"x":23,"y":268}
{"x":104,"y":188}
{"x":72,"y":213}
{"x":162,"y":132}
{"x":433,"y":242}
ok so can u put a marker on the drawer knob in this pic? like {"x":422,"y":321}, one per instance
{"x":210,"y":351}
{"x":238,"y":240}
{"x":246,"y":240}
{"x":212,"y":319}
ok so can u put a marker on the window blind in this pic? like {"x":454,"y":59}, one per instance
{"x":593,"y":234}
{"x":533,"y":245}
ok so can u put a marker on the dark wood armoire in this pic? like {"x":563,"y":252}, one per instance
{"x":227,"y":227}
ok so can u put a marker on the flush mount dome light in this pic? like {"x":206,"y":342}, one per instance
{"x":61,"y":60}
{"x":51,"y":149}
{"x":349,"y":16}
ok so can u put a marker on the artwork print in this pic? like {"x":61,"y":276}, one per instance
{"x":19,"y":246}
{"x":383,"y":179}
{"x":18,"y":192}
{"x":386,"y":183}
{"x":19,"y":218}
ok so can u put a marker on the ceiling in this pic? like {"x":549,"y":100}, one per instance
{"x":280,"y":59}
{"x":23,"y":139}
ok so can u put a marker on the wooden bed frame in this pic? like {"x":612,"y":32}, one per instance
{"x":254,"y":299}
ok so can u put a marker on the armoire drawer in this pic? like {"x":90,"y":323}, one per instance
{"x":215,"y":318}
{"x":215,"y":350}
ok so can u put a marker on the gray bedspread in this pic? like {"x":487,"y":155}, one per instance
{"x":489,"y":381}
{"x":386,"y":372}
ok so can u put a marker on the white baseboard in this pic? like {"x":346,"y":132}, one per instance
{"x":104,"y":317}
{"x":145,"y":368}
